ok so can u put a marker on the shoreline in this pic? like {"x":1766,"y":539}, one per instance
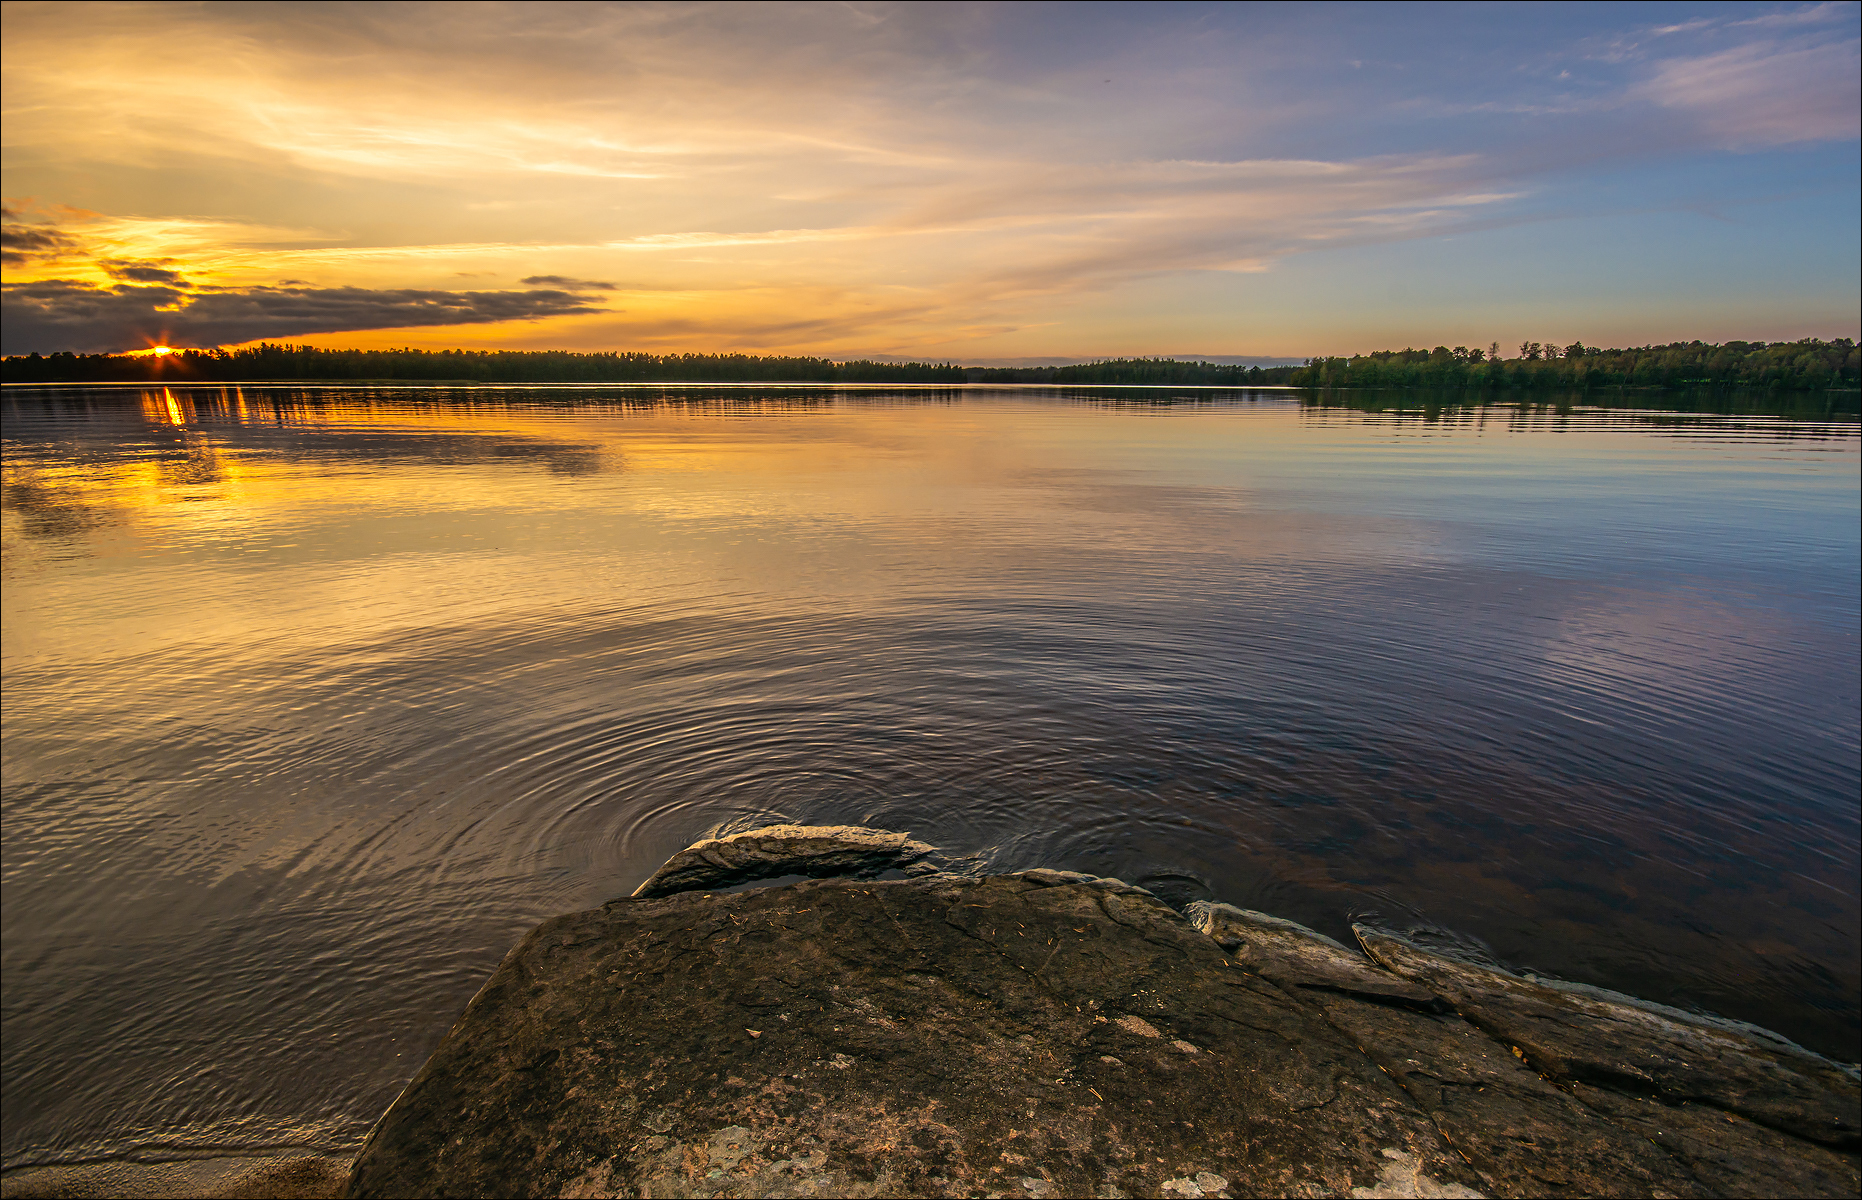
{"x":1048,"y":1033}
{"x":898,"y":1025}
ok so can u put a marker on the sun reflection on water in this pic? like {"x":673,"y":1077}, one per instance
{"x":342,"y":688}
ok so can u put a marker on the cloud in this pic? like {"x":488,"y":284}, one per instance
{"x":143,"y":272}
{"x":1694,"y":26}
{"x":566,"y":283}
{"x":1765,"y":93}
{"x":886,"y":172}
{"x":978,"y":246}
{"x":21,"y":243}
{"x":62,"y":314}
{"x":136,"y":301}
{"x":1815,"y":14}
{"x":49,"y":240}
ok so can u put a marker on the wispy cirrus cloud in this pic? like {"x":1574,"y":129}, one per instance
{"x":999,"y":235}
{"x":1765,"y":93}
{"x":1825,"y":13}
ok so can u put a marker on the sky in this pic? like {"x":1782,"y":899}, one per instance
{"x":970,"y":182}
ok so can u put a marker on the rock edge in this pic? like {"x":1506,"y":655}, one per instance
{"x":820,"y":851}
{"x":1050,"y":1033}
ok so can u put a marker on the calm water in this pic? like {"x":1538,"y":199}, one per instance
{"x":316,"y":700}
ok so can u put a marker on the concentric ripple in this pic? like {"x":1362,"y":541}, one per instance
{"x":315,"y":701}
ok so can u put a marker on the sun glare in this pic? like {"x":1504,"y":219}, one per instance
{"x":161,"y":350}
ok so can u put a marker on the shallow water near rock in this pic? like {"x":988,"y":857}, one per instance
{"x":317,"y":699}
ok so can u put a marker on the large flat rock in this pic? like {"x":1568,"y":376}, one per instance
{"x":1055,"y":1034}
{"x":919,"y":1037}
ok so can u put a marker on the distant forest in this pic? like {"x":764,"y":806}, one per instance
{"x":1807,"y":365}
{"x":268,"y":361}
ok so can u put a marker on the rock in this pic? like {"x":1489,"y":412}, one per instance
{"x":1047,"y":878}
{"x":979,"y":1028}
{"x":1052,"y":1033}
{"x":1291,"y":954}
{"x":1522,"y":1134}
{"x":777,"y":850}
{"x":1728,"y":1155}
{"x":1578,"y":1034}
{"x":280,"y":1176}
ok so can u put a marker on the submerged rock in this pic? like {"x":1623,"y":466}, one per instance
{"x":776,"y":850}
{"x":1044,"y":1034}
{"x":1578,"y":1034}
{"x":1526,"y":1134}
{"x":277,"y":1176}
{"x":1291,"y":954}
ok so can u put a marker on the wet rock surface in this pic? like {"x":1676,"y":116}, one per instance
{"x":1575,"y":1034}
{"x":266,"y":1177}
{"x":1055,"y":1034}
{"x":1297,"y":957}
{"x":775,"y":850}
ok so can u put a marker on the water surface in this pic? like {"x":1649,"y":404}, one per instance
{"x":317,"y":698}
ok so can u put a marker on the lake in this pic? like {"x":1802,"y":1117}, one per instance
{"x":317,"y":698}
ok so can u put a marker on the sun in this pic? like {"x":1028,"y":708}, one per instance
{"x":158,"y":351}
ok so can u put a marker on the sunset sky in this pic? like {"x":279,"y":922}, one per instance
{"x":978,"y":182}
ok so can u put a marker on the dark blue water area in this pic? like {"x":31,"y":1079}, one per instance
{"x":316,"y":700}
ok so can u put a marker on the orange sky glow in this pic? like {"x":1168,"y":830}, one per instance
{"x":977,"y":182}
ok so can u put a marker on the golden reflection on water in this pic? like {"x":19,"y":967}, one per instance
{"x":339,"y":690}
{"x":435,"y":475}
{"x":461,"y":508}
{"x":197,"y":464}
{"x":906,"y":458}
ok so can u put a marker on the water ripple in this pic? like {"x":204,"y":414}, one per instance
{"x":308,"y":719}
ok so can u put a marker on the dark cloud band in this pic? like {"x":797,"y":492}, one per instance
{"x":564,"y":281}
{"x":61,"y":314}
{"x":21,"y":244}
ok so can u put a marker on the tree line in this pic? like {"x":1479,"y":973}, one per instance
{"x":268,"y":361}
{"x":1810,"y":364}
{"x":1161,"y":372}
